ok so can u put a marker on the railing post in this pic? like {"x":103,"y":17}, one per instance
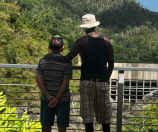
{"x":50,"y":128}
{"x":120,"y":100}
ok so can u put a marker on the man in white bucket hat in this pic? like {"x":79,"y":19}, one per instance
{"x":96,"y":51}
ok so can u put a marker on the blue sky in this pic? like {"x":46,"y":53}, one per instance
{"x":149,"y":4}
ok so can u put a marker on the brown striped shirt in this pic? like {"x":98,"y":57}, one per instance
{"x":53,"y":74}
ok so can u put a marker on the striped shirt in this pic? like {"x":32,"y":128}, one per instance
{"x":53,"y":74}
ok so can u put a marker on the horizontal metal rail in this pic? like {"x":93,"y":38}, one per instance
{"x":40,"y":100}
{"x":140,"y":124}
{"x":78,"y":115}
{"x":21,"y":127}
{"x":29,"y":66}
{"x":72,"y":94}
{"x":139,"y":110}
{"x":138,"y":103}
{"x":142,"y":117}
{"x":54,"y":122}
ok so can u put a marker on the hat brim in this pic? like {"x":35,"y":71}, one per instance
{"x":90,"y":25}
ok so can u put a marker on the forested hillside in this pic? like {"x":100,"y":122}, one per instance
{"x":125,"y":22}
{"x":126,"y":15}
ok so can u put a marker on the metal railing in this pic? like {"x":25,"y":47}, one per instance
{"x":119,"y":119}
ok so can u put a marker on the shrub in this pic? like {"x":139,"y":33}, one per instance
{"x":8,"y":121}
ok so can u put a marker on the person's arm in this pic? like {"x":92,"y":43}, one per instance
{"x":65,"y":59}
{"x":43,"y":88}
{"x":61,"y":91}
{"x":39,"y":73}
{"x":62,"y":88}
{"x":110,"y":61}
{"x":67,"y":77}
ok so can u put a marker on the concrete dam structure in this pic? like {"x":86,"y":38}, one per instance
{"x":136,"y":83}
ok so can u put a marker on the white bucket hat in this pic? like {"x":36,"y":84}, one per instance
{"x":89,"y":21}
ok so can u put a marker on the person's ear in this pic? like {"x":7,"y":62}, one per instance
{"x":50,"y":48}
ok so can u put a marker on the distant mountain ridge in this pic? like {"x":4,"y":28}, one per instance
{"x":126,"y":15}
{"x":115,"y":14}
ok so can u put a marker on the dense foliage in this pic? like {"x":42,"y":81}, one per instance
{"x":139,"y":44}
{"x":126,"y":15}
{"x":147,"y":122}
{"x":10,"y":123}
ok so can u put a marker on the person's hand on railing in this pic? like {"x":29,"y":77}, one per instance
{"x":48,"y":56}
{"x":53,"y":103}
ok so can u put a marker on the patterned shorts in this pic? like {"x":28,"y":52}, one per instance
{"x":94,"y":98}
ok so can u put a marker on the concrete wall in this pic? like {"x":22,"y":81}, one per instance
{"x":141,"y":75}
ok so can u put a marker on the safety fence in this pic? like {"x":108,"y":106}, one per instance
{"x":20,"y":103}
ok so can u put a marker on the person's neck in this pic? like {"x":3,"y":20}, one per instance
{"x":93,"y":34}
{"x":55,"y":52}
{"x":90,"y":33}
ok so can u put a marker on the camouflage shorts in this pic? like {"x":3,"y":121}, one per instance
{"x":94,"y":98}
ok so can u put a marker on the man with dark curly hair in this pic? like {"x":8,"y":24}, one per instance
{"x":53,"y":80}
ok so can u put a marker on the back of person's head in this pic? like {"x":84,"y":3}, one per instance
{"x":56,"y":42}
